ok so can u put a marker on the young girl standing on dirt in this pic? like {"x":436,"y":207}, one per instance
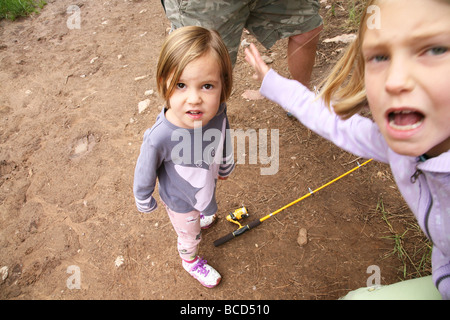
{"x":399,"y":65}
{"x":187,"y":148}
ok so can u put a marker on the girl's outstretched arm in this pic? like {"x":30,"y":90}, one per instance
{"x":358,"y":135}
{"x":253,"y":57}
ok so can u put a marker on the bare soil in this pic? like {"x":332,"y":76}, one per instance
{"x":70,"y":135}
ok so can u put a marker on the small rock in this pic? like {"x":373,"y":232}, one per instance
{"x":3,"y":273}
{"x":267,"y":60}
{"x":141,"y":77}
{"x":302,"y":237}
{"x":345,"y":38}
{"x":119,"y":261}
{"x":143,"y":105}
{"x":245,"y":43}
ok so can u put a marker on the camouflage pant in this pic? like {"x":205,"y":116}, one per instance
{"x":267,"y":20}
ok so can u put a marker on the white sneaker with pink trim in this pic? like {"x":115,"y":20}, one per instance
{"x":207,"y":221}
{"x":203,"y":272}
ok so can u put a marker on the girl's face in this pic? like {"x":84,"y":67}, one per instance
{"x":196,"y":98}
{"x":407,"y":75}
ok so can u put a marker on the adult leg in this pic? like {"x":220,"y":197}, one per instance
{"x":302,"y":55}
{"x":227,"y":17}
{"x":272,"y":20}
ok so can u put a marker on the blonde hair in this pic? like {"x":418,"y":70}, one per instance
{"x":183,"y":46}
{"x":344,"y":90}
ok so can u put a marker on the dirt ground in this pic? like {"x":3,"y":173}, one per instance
{"x":70,"y":135}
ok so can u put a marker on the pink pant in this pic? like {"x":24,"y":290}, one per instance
{"x":187,"y":227}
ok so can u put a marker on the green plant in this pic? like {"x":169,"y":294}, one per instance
{"x":413,"y":249}
{"x":11,"y":9}
{"x":355,"y":10}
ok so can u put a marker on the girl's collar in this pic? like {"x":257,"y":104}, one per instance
{"x":439,"y":164}
{"x":423,"y":158}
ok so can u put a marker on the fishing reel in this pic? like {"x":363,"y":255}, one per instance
{"x":237,"y":215}
{"x":234,"y":217}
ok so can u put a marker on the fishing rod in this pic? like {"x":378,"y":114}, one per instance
{"x":242,"y":212}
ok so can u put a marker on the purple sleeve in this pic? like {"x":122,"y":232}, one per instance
{"x":358,"y":135}
{"x":145,"y":176}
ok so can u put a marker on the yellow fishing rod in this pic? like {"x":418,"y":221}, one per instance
{"x":242,"y":212}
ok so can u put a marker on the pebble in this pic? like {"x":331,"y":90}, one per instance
{"x":3,"y":273}
{"x":245,"y":43}
{"x":267,"y":59}
{"x":302,"y":237}
{"x":141,"y":78}
{"x":345,"y":38}
{"x":148,"y":92}
{"x":119,"y":261}
{"x":143,"y":105}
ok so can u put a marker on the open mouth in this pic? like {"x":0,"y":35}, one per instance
{"x":194,"y":113}
{"x":405,"y":119}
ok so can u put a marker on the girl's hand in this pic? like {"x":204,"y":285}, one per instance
{"x":253,"y":57}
